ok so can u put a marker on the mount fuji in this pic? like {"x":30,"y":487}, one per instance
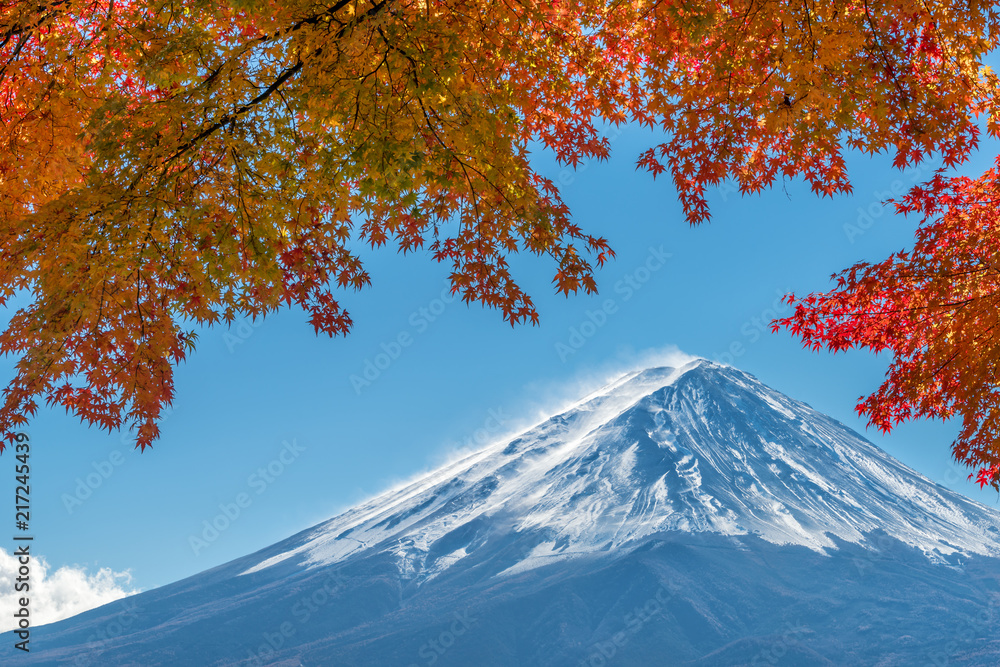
{"x":678,"y":516}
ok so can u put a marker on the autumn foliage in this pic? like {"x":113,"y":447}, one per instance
{"x":936,"y":309}
{"x":167,"y":165}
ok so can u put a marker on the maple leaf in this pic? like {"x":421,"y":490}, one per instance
{"x":161,"y":165}
{"x":936,"y":309}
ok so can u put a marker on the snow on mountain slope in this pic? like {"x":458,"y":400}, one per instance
{"x":700,"y":448}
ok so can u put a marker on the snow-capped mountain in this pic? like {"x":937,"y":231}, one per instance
{"x":682,"y":515}
{"x":702,"y":448}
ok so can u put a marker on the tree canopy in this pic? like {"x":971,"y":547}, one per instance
{"x":936,"y":309}
{"x":167,"y":165}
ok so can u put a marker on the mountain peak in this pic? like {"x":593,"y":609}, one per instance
{"x":701,"y":447}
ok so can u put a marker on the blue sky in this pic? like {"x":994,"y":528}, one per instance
{"x":267,"y":416}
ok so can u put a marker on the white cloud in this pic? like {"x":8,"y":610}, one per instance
{"x":56,"y":595}
{"x":546,"y":398}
